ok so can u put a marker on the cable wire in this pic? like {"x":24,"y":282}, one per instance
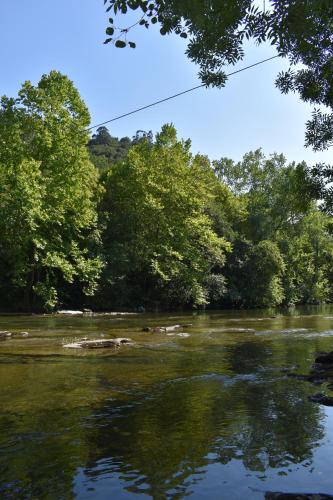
{"x":176,"y":95}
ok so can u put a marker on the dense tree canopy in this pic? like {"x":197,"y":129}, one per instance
{"x":282,"y":250}
{"x":48,"y":193}
{"x":153,"y":225}
{"x":159,"y":240}
{"x":106,"y":150}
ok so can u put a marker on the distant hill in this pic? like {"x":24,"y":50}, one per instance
{"x":106,"y":150}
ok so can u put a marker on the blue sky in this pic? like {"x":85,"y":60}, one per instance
{"x":67,"y":35}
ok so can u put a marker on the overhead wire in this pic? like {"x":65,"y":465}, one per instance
{"x":176,"y":95}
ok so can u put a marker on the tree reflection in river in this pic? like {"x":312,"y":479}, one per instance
{"x":162,"y":444}
{"x":166,"y":418}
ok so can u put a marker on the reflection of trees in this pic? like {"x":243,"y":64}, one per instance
{"x":276,"y":425}
{"x":234,"y":405}
{"x":37,"y":458}
{"x":161,"y":445}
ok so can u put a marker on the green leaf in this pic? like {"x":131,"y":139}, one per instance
{"x":120,"y":44}
{"x":132,"y":45}
{"x":109,"y":30}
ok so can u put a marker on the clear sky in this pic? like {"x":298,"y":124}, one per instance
{"x":37,"y":36}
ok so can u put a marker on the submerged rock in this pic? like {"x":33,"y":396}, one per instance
{"x":322,"y":371}
{"x":5,"y":335}
{"x":315,"y":378}
{"x":98,"y":343}
{"x":164,"y":329}
{"x":20,"y":334}
{"x":9,"y":335}
{"x":182,"y":334}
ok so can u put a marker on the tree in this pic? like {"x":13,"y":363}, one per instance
{"x":274,"y":192}
{"x":308,"y":255}
{"x":48,"y":194}
{"x":159,"y":241}
{"x":282,"y":248}
{"x":301,"y":30}
{"x":105,"y":150}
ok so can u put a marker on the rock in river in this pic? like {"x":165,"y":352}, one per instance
{"x":164,"y":329}
{"x":5,"y":335}
{"x":70,"y":312}
{"x":9,"y":335}
{"x":98,"y":344}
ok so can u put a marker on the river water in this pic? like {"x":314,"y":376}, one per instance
{"x":209,"y":415}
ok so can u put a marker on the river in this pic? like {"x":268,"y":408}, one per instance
{"x":212,"y":414}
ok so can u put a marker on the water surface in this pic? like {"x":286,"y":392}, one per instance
{"x":208,"y":415}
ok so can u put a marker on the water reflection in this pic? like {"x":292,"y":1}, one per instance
{"x":215,"y":412}
{"x":162,"y":444}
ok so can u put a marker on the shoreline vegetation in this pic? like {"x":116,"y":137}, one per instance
{"x":142,"y":224}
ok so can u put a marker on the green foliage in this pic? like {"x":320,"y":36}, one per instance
{"x":48,"y":193}
{"x":105,"y":150}
{"x":159,"y":240}
{"x":254,"y":273}
{"x":309,"y":259}
{"x":282,"y":251}
{"x":157,"y":226}
{"x":264,"y":269}
{"x":274,"y":193}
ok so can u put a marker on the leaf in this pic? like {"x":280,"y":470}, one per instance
{"x":163,"y":31}
{"x":120,"y":44}
{"x":154,"y":20}
{"x":109,"y":30}
{"x":132,"y":45}
{"x":108,"y":40}
{"x":183,"y":35}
